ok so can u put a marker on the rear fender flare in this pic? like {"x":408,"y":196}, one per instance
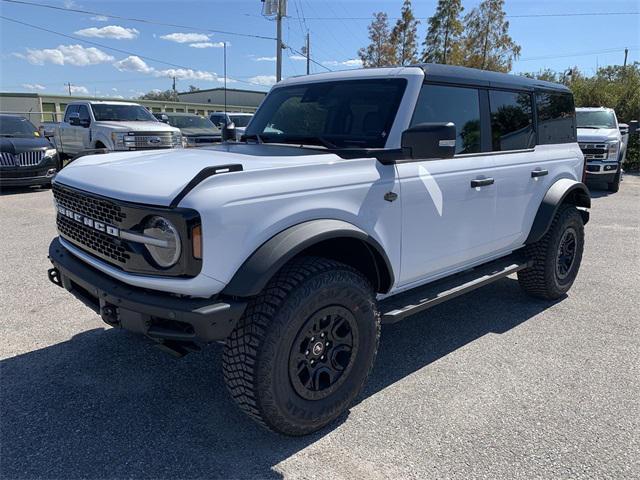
{"x":562,"y":191}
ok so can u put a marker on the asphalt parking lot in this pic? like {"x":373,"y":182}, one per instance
{"x":490,"y":385}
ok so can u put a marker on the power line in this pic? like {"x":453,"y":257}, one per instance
{"x":577,"y":54}
{"x":293,"y":50}
{"x":106,"y":47}
{"x":139,"y":20}
{"x":532,"y":15}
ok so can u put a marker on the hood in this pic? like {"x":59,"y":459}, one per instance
{"x":18,"y":145}
{"x":137,"y":126}
{"x":200,"y":132}
{"x":597,"y":134}
{"x":156,"y":177}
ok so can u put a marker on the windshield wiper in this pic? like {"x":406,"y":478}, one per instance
{"x":251,"y":136}
{"x":302,"y":140}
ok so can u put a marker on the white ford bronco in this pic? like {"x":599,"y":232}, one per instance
{"x":353,"y":199}
{"x":111,"y":126}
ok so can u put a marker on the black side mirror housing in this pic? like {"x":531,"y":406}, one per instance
{"x":74,"y":119}
{"x":84,"y":122}
{"x":229,"y":132}
{"x":429,"y":140}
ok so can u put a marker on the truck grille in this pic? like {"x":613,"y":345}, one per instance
{"x":93,"y":240}
{"x":154,"y":140}
{"x":96,"y":208}
{"x":24,"y":159}
{"x":594,"y":151}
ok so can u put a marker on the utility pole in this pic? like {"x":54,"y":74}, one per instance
{"x":626,"y":52}
{"x":225,"y":79}
{"x":174,"y":85}
{"x":69,"y":86}
{"x":308,"y":52}
{"x":279,"y":15}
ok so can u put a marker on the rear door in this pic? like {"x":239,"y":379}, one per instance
{"x":447,"y":220}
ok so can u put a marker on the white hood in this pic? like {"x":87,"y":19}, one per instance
{"x":156,"y":177}
{"x":601,"y":135}
{"x":137,"y":126}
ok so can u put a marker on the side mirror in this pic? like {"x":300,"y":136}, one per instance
{"x":229,"y":132}
{"x":85,"y":122}
{"x":164,"y":118}
{"x":633,"y":127}
{"x":429,"y":140}
{"x":74,"y":119}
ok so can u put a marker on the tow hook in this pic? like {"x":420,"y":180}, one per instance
{"x":109,"y":314}
{"x":54,"y":276}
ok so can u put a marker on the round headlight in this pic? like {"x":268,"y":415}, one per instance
{"x":167,"y":250}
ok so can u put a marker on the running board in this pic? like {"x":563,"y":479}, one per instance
{"x":397,"y":307}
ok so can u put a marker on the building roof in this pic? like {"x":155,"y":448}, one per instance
{"x":221,"y":89}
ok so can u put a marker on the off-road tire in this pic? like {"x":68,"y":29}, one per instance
{"x":257,"y":354}
{"x":614,"y":186}
{"x":542,"y":279}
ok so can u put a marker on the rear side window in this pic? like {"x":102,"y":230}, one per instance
{"x":460,"y":105}
{"x":556,"y":118}
{"x":70,"y":109}
{"x":511,"y":120}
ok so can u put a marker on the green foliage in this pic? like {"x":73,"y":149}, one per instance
{"x":403,"y":36}
{"x":487,"y":44}
{"x":443,"y":41}
{"x":168,"y":95}
{"x":380,"y":52}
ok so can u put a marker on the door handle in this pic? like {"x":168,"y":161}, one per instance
{"x":539,"y":173}
{"x":481,"y":182}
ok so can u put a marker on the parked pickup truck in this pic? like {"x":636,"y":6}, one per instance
{"x":355,"y":198}
{"x":89,"y":125}
{"x":604,"y":144}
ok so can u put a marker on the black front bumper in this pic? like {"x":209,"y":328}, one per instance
{"x":158,"y":315}
{"x":12,"y":177}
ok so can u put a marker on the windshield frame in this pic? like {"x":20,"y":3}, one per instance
{"x":339,"y":141}
{"x":593,"y":113}
{"x":139,"y":108}
{"x":31,"y":133}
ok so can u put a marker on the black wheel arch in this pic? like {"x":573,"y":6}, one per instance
{"x":328,"y":238}
{"x":562,"y":191}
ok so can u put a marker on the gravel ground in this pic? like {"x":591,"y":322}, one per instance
{"x":490,"y":385}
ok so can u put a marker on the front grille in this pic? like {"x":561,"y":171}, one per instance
{"x":92,"y":239}
{"x":147,"y":140}
{"x":593,"y":168}
{"x":594,"y":151}
{"x":24,"y":159}
{"x":96,"y":208}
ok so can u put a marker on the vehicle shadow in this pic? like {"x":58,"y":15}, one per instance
{"x":19,"y":190}
{"x":107,"y":404}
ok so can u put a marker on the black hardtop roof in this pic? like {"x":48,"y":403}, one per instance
{"x":471,"y":76}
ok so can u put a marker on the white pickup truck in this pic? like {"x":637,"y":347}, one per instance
{"x":94,"y":125}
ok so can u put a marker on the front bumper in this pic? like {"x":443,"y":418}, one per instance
{"x":602,"y":171}
{"x":24,"y":177}
{"x":158,"y":315}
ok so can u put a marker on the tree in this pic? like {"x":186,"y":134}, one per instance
{"x":443,"y":41}
{"x":380,"y":52}
{"x":168,"y":95}
{"x":403,"y":36}
{"x":487,"y":44}
{"x":193,"y":88}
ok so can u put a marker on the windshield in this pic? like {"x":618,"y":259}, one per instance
{"x":190,"y":121}
{"x":105,"y":112}
{"x":340,"y":114}
{"x":17,"y":127}
{"x":240,"y":120}
{"x":596,"y":119}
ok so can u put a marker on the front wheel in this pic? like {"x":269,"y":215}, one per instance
{"x":304,"y":347}
{"x":614,"y":186}
{"x":556,"y":257}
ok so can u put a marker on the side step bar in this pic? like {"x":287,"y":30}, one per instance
{"x":416,"y":300}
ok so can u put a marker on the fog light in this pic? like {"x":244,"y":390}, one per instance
{"x":51,"y":172}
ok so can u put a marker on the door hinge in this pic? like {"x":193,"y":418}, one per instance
{"x":390,"y":196}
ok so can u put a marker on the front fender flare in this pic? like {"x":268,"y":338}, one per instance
{"x":562,"y":191}
{"x":271,"y":256}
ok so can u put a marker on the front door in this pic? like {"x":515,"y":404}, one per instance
{"x":448,"y":205}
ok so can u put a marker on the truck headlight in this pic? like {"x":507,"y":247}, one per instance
{"x":123,"y":140}
{"x":612,"y":150}
{"x":176,"y":139}
{"x":166,"y":251}
{"x":50,"y":152}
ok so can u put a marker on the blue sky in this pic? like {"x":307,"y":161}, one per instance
{"x":34,"y":60}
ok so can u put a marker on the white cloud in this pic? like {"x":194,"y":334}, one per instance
{"x":114,"y":89}
{"x":229,"y":80}
{"x":79,"y":89}
{"x":185,"y":37}
{"x":33,"y":86}
{"x":266,"y":80}
{"x":99,"y":18}
{"x":69,"y":4}
{"x":207,"y":45}
{"x":353,"y":62}
{"x":297,"y":57}
{"x":66,"y":55}
{"x":133,"y":63}
{"x":115,"y":32}
{"x":136,"y":64}
{"x":265,"y":59}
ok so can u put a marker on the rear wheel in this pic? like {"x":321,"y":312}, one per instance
{"x":305,"y":346}
{"x":556,"y":256}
